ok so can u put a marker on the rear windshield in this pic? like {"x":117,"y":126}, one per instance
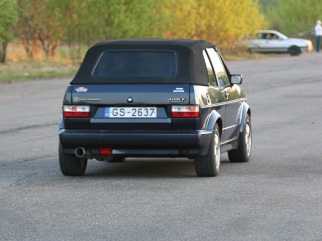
{"x":129,"y":64}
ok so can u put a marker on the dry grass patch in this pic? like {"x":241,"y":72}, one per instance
{"x":35,"y":70}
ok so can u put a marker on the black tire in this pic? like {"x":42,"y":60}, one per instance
{"x":294,"y":51}
{"x":209,"y":165}
{"x":244,"y":150}
{"x":70,"y":165}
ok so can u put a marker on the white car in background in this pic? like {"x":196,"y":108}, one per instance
{"x":271,"y":41}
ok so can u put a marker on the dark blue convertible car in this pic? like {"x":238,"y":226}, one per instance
{"x":154,"y":98}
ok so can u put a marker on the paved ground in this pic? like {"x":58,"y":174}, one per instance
{"x":276,"y":196}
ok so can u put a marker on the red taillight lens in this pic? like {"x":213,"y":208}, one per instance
{"x":105,"y":151}
{"x":76,"y":111}
{"x":185,"y":111}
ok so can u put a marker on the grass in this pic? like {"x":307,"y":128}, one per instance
{"x":18,"y":67}
{"x":28,"y":70}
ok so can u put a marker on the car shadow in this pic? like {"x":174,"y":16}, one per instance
{"x":143,"y":168}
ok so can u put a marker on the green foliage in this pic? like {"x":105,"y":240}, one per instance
{"x":125,"y":18}
{"x":267,"y":4}
{"x":88,"y":21}
{"x":8,"y":18}
{"x":295,"y":16}
{"x":96,"y":20}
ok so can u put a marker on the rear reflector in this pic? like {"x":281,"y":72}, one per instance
{"x":76,"y":111}
{"x":185,"y":111}
{"x":105,"y":151}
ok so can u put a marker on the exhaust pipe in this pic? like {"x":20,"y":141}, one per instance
{"x":81,"y":152}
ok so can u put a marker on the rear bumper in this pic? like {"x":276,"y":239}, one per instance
{"x":305,"y":49}
{"x":135,"y":143}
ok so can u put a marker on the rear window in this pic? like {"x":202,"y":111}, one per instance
{"x":129,"y":64}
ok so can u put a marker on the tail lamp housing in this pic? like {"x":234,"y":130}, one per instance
{"x":185,"y":111}
{"x":76,"y":111}
{"x":105,"y":151}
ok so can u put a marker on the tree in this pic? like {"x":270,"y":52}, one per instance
{"x":115,"y":19}
{"x":294,"y":16}
{"x":266,"y":4}
{"x":39,"y":26}
{"x":224,"y":22}
{"x":89,"y":21}
{"x":8,"y":19}
{"x":49,"y":27}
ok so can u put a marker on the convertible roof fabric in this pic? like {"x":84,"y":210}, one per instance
{"x":191,"y":67}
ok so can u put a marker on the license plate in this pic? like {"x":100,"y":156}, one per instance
{"x":130,"y":112}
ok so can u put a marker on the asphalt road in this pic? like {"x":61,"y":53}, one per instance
{"x":276,"y":196}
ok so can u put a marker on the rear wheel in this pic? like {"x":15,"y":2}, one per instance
{"x":208,"y":165}
{"x":294,"y":50}
{"x":243,"y":152}
{"x":70,"y":165}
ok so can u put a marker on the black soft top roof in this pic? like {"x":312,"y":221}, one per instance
{"x":191,"y":64}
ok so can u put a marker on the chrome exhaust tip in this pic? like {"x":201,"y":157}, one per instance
{"x":80,"y":152}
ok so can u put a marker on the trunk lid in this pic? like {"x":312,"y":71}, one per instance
{"x":147,"y":106}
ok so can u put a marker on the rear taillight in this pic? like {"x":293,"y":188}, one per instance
{"x":105,"y":151}
{"x":185,"y":111}
{"x":76,"y":111}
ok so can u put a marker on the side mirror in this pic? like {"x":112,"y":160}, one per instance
{"x":236,"y":79}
